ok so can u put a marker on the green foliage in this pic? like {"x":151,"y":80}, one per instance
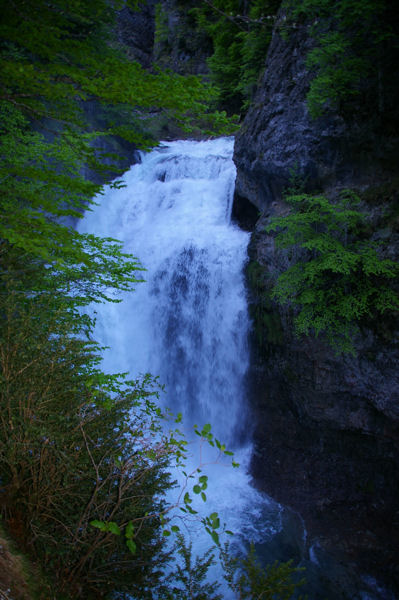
{"x":267,"y":323}
{"x":52,"y":62}
{"x":356,"y":42}
{"x":189,"y":578}
{"x":240,"y":33}
{"x":84,"y":456}
{"x":161,"y":25}
{"x":338,"y":278}
{"x":248,"y":579}
{"x":78,"y":448}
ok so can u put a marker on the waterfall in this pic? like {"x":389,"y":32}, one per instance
{"x":188,"y":323}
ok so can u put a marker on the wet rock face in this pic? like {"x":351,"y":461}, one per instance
{"x":326,"y":440}
{"x":340,"y":477}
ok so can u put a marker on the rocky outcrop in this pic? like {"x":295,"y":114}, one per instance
{"x":327,"y":425}
{"x":135,"y":31}
{"x":278,"y":138}
{"x":327,"y":428}
{"x":179,"y":44}
{"x":156,"y":34}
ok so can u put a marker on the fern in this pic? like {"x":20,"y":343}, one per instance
{"x":339,"y":278}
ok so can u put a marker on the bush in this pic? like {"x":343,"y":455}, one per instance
{"x":338,"y":277}
{"x":77,"y":446}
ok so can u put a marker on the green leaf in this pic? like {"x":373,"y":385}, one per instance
{"x":99,"y":525}
{"x":112,"y":527}
{"x":129,"y":531}
{"x":132,"y":546}
{"x":215,"y":537}
{"x":191,"y":510}
{"x":334,"y":286}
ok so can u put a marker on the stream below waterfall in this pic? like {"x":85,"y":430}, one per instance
{"x":188,"y":324}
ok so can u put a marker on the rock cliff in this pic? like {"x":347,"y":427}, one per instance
{"x":279,"y":135}
{"x":327,"y":426}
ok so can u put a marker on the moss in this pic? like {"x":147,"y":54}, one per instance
{"x":271,"y":323}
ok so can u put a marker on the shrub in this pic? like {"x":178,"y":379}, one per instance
{"x":338,"y":277}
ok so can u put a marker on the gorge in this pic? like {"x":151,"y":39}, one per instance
{"x":326,"y":426}
{"x":88,"y":91}
{"x":188,"y":323}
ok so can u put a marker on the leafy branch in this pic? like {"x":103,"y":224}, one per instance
{"x":338,"y":278}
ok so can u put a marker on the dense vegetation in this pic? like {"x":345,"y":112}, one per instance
{"x":236,"y":36}
{"x":355,"y":53}
{"x":84,"y":455}
{"x":337,"y":279}
{"x":240,"y":34}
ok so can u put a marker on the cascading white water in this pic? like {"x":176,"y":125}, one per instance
{"x":188,"y":323}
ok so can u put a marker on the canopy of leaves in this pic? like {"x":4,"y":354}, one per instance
{"x":54,"y":58}
{"x":338,"y":277}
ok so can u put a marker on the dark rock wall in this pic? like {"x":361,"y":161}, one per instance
{"x":278,"y":135}
{"x":326,"y":440}
{"x":179,"y":45}
{"x":327,"y":426}
{"x":135,"y":31}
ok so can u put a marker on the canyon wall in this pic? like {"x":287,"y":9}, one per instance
{"x":326,"y":425}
